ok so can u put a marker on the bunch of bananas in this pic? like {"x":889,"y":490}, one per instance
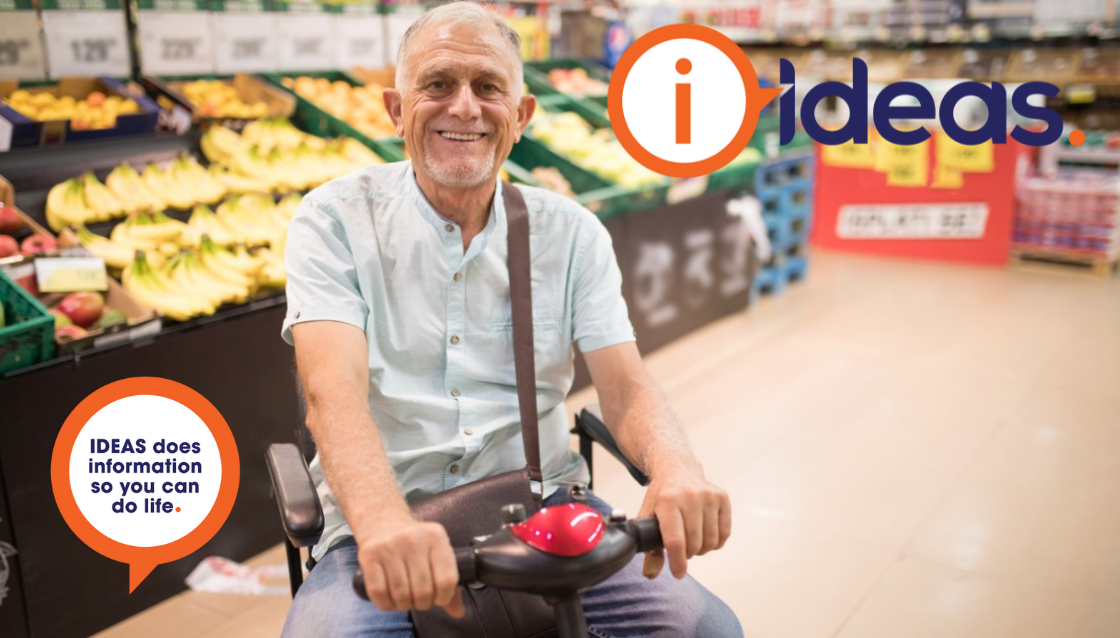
{"x":215,"y":98}
{"x":249,"y":219}
{"x":196,"y":282}
{"x":85,"y":200}
{"x":274,"y":156}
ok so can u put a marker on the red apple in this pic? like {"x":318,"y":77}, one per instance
{"x":83,"y":308}
{"x":38,"y":244}
{"x":10,"y":221}
{"x":8,"y":246}
{"x":70,"y":332}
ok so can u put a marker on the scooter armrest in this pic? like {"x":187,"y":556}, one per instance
{"x":589,"y":424}
{"x":300,"y":510}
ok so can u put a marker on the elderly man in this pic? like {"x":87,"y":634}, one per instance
{"x":399,"y":313}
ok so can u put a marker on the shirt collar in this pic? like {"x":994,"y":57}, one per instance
{"x":495,"y":222}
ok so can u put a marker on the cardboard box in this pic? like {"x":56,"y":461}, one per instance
{"x":140,"y":322}
{"x":251,"y":89}
{"x":27,"y":132}
{"x":1056,"y":66}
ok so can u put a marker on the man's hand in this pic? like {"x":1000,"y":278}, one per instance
{"x":409,"y":565}
{"x":695,"y":518}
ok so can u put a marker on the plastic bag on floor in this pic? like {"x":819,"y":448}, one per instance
{"x":224,"y":576}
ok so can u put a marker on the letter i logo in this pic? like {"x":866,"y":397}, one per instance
{"x":684,"y":104}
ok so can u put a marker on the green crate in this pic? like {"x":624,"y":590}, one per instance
{"x":27,"y":337}
{"x":310,"y":117}
{"x":536,"y":74}
{"x":318,"y":122}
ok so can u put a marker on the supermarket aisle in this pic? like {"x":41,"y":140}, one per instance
{"x":912,"y":449}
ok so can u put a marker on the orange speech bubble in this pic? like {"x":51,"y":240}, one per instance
{"x":142,"y":560}
{"x":757,"y":99}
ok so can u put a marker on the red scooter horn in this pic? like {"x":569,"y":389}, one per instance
{"x":571,"y":529}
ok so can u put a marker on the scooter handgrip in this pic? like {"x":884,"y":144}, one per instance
{"x":464,"y":558}
{"x":360,"y":584}
{"x":647,"y":533}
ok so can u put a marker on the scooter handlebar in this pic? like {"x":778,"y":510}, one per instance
{"x":646,"y":533}
{"x":464,"y":559}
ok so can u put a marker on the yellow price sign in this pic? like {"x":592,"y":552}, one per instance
{"x":969,"y":159}
{"x":947,"y":177}
{"x":904,"y":165}
{"x":71,"y":274}
{"x":848,"y":155}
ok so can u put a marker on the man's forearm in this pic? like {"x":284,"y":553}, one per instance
{"x":646,"y":429}
{"x":354,"y":461}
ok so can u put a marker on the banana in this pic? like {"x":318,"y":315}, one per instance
{"x":218,"y":287}
{"x":358,"y":154}
{"x":220,"y":145}
{"x":100,"y":200}
{"x":207,"y":258}
{"x":125,"y":183}
{"x":175,"y":194}
{"x":117,"y":256}
{"x":154,"y":227}
{"x":204,"y":222}
{"x":273,"y":274}
{"x":205,"y":187}
{"x":143,"y":283}
{"x":66,"y":206}
{"x":239,"y":184}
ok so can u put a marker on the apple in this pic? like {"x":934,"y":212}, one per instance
{"x":38,"y":244}
{"x":83,"y":308}
{"x":60,"y":319}
{"x":10,"y":221}
{"x":8,"y":246}
{"x":69,"y":332}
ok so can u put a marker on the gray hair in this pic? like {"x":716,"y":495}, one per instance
{"x":457,"y":13}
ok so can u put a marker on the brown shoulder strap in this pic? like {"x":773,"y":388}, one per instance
{"x":521,"y":302}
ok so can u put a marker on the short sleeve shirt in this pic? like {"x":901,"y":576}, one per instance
{"x":369,"y":250}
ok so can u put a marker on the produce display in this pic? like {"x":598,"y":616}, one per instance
{"x":597,"y":151}
{"x":361,"y":106}
{"x":269,"y":156}
{"x":197,"y":281}
{"x":80,"y":313}
{"x":214,"y":98}
{"x":551,"y":179}
{"x":576,"y":82}
{"x":11,"y":226}
{"x":95,"y":111}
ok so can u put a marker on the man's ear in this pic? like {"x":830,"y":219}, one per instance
{"x":525,"y":110}
{"x":394,"y":106}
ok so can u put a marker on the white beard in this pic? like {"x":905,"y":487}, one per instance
{"x":460,"y":176}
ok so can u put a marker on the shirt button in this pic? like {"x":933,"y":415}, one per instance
{"x":454,"y":339}
{"x":468,"y":431}
{"x":458,"y":276}
{"x":449,"y":228}
{"x":455,"y":392}
{"x":295,"y":315}
{"x":454,"y":469}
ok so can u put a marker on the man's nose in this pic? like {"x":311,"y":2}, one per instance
{"x":464,"y":104}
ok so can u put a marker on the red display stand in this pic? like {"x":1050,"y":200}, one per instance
{"x":865,"y":193}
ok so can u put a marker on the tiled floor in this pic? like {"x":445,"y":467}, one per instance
{"x":913,"y":450}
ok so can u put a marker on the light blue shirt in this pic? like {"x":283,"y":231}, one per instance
{"x":369,"y":250}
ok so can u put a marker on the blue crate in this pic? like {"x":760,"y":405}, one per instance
{"x":784,"y":173}
{"x":784,"y":270}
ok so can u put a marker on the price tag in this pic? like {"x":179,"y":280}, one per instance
{"x":912,"y":221}
{"x":71,"y":274}
{"x":245,"y":42}
{"x":21,"y":45}
{"x":360,"y":41}
{"x":306,"y":40}
{"x":86,"y":43}
{"x":175,"y":43}
{"x":6,"y":130}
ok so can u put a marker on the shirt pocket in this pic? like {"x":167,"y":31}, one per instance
{"x":551,"y":351}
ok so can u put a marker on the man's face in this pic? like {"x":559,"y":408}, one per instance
{"x":460,"y":109}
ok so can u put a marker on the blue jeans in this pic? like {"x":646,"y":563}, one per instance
{"x":626,"y":604}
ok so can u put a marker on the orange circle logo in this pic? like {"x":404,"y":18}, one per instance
{"x":756,"y":99}
{"x":154,"y":513}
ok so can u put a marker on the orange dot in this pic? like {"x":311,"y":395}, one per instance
{"x":1077,"y":138}
{"x":176,"y":509}
{"x":684,"y":66}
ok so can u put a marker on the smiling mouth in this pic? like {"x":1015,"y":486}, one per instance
{"x":461,"y":137}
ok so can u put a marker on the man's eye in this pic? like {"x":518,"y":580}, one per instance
{"x":438,"y":85}
{"x":489,"y":88}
